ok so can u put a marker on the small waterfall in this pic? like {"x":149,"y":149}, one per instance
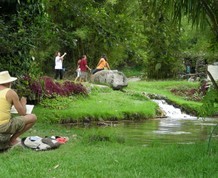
{"x":171,"y":112}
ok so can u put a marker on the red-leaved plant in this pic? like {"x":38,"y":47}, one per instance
{"x":45,"y":87}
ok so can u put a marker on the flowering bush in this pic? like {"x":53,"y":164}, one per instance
{"x":46,"y":87}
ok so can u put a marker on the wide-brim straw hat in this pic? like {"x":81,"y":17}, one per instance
{"x":6,"y":78}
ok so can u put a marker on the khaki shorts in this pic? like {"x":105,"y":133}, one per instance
{"x":13,"y":126}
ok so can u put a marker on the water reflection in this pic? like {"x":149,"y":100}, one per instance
{"x":161,"y":131}
{"x":167,"y":131}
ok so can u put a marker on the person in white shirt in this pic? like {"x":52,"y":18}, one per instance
{"x":78,"y":70}
{"x":59,"y":65}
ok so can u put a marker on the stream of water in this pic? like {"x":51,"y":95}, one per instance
{"x":176,"y":127}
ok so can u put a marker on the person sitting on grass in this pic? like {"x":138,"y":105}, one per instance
{"x":8,"y":97}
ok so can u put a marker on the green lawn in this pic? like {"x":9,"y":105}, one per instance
{"x":84,"y":155}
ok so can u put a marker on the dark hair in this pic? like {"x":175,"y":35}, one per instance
{"x":56,"y":53}
{"x":104,"y":56}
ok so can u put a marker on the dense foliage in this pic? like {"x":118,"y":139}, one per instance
{"x":21,"y":34}
{"x":132,"y":33}
{"x":163,"y":42}
{"x":210,"y":101}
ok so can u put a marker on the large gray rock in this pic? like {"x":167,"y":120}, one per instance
{"x":115,"y":79}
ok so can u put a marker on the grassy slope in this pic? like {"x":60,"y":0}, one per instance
{"x":108,"y":104}
{"x":100,"y":104}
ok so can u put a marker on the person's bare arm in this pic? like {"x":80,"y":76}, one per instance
{"x":20,"y":105}
{"x":107,"y":65}
{"x":88,"y":67}
{"x":62,"y":57}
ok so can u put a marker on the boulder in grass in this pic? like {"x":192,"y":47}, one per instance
{"x":115,"y":79}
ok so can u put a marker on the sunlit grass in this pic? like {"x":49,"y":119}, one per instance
{"x":88,"y":156}
{"x":107,"y":104}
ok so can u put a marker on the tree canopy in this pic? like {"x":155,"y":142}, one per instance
{"x":133,"y":33}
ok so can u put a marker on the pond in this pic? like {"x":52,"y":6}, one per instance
{"x":167,"y":130}
{"x":176,"y":127}
{"x":157,"y":131}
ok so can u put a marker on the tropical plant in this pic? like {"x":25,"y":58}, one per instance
{"x":210,"y":100}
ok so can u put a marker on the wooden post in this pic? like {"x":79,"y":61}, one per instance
{"x":212,"y":79}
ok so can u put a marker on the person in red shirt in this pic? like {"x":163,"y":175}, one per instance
{"x":83,"y":67}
